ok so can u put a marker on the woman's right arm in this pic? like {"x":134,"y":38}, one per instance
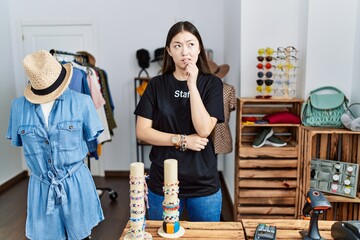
{"x":145,"y":132}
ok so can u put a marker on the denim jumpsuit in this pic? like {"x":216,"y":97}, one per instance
{"x":62,"y":201}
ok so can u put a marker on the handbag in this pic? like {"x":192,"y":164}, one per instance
{"x":324,"y":110}
{"x":350,"y":119}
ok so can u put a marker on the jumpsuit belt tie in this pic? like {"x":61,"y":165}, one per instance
{"x":56,"y":193}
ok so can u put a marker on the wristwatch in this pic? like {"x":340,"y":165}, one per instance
{"x":175,"y":140}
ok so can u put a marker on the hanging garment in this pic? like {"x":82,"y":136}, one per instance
{"x":109,"y":105}
{"x":98,"y":100}
{"x":222,"y":134}
{"x":79,"y":84}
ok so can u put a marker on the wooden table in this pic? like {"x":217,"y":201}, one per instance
{"x":198,"y":230}
{"x":286,"y":229}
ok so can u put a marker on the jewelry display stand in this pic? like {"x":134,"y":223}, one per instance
{"x":138,"y":195}
{"x":171,"y":227}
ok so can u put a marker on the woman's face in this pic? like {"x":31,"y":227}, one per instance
{"x":184,"y":48}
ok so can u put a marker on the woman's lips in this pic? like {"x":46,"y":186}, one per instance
{"x":186,"y":60}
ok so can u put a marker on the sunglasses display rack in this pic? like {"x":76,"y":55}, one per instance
{"x":276,"y":76}
{"x":265,"y":74}
{"x":339,"y":178}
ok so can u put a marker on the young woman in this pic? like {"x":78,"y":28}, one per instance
{"x":176,"y":114}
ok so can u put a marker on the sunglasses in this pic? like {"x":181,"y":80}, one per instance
{"x":282,"y":91}
{"x":288,"y":49}
{"x":284,"y":83}
{"x":267,"y":51}
{"x":287,"y":66}
{"x":267,"y":58}
{"x":263,"y":97}
{"x":289,"y":76}
{"x":268,"y":82}
{"x":290,"y":66}
{"x":262,"y":74}
{"x":262,"y":66}
{"x":287,"y":57}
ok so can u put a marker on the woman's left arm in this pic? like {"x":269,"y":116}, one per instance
{"x":203,"y":122}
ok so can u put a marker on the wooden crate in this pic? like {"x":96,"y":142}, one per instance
{"x":332,"y":144}
{"x":266,"y":178}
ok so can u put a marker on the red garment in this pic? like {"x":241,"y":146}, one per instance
{"x":282,"y":117}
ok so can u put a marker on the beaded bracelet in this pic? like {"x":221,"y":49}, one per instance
{"x":171,"y":218}
{"x":183,"y":143}
{"x":171,"y":203}
{"x":135,"y":182}
{"x":172,"y":184}
{"x":138,"y":205}
{"x":135,"y":231}
{"x":136,"y":236}
{"x":137,"y":219}
{"x":136,"y":198}
{"x":137,"y":211}
{"x":171,"y":193}
{"x":176,"y":189}
{"x":136,"y":191}
{"x":167,"y":190}
{"x":173,"y":208}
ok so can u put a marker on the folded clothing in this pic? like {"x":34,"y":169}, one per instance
{"x":282,"y":117}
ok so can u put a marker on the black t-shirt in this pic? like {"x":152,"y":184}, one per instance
{"x":166,"y":102}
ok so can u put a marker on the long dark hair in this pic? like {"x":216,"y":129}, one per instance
{"x":168,"y":62}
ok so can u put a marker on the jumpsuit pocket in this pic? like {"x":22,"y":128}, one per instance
{"x":30,"y":140}
{"x":69,"y":135}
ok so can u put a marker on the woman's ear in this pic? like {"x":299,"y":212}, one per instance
{"x":168,"y":51}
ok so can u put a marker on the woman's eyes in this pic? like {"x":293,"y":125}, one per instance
{"x":189,"y":45}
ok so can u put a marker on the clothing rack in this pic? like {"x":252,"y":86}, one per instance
{"x":83,"y":58}
{"x":78,"y":57}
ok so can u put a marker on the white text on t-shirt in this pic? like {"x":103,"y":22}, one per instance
{"x":181,"y":94}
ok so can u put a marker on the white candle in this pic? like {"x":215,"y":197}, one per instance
{"x":137,"y":201}
{"x":170,"y":177}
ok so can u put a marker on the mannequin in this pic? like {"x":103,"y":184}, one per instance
{"x":46,"y":108}
{"x":53,"y":124}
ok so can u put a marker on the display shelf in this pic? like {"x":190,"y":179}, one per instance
{"x":333,"y":144}
{"x":266,"y":178}
{"x":340,"y":199}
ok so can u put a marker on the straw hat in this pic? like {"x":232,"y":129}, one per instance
{"x":219,"y":71}
{"x":48,"y":79}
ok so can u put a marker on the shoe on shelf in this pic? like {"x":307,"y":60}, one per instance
{"x":262,"y":136}
{"x":274,"y":141}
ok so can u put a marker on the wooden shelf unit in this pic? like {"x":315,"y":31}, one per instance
{"x":332,"y":144}
{"x":266,"y":178}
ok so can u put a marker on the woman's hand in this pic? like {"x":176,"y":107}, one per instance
{"x":191,"y":72}
{"x":195,"y":142}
